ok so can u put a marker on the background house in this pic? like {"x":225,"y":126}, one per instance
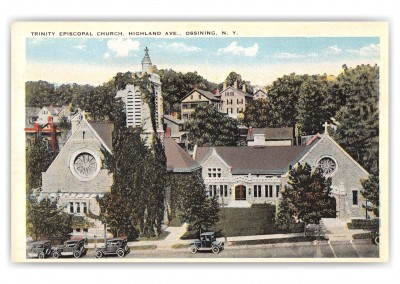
{"x":195,"y":98}
{"x":234,"y":100}
{"x":283,"y":136}
{"x":174,"y":128}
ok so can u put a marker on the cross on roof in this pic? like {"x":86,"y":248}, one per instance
{"x":146,"y":50}
{"x":326,"y":127}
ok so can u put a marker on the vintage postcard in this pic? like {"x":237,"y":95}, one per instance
{"x":200,"y":141}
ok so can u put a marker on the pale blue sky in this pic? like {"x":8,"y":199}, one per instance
{"x":259,"y":60}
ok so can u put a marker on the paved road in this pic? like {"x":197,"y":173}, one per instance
{"x":339,"y":249}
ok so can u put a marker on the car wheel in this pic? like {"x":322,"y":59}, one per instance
{"x":120,"y":253}
{"x":215,"y":249}
{"x":77,"y":254}
{"x":98,"y":254}
{"x":56,"y":254}
{"x":41,"y":255}
{"x":376,"y":240}
{"x":193,"y":249}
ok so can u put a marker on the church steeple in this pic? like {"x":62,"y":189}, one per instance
{"x":146,"y":62}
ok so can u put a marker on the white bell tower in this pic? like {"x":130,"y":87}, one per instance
{"x":137,"y":110}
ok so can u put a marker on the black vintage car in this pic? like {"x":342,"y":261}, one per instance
{"x":74,"y":248}
{"x":115,"y":246}
{"x":39,"y":249}
{"x":207,"y":241}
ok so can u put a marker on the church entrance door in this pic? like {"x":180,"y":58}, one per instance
{"x":240,"y":192}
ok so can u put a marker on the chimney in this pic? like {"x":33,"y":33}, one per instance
{"x":194,"y":152}
{"x":244,"y":88}
{"x":224,"y":85}
{"x":52,"y":134}
{"x":235,"y":85}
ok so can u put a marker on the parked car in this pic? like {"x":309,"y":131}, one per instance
{"x":375,"y":238}
{"x":115,"y":246}
{"x":207,"y":241}
{"x":39,"y":249}
{"x":74,"y":248}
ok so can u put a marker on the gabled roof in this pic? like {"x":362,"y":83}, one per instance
{"x":237,"y":90}
{"x":104,"y":130}
{"x":178,"y":160}
{"x":173,"y":119}
{"x":206,"y":94}
{"x":255,"y":160}
{"x":260,"y":91}
{"x":282,"y":133}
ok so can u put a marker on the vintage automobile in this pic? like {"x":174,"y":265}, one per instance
{"x":39,"y":249}
{"x":115,"y":246}
{"x":207,"y":241}
{"x":375,"y":238}
{"x":74,"y":248}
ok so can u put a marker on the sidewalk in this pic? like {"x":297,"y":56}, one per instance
{"x":175,"y":233}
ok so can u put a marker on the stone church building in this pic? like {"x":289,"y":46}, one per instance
{"x":239,"y":176}
{"x":242,"y":176}
{"x":76,"y":177}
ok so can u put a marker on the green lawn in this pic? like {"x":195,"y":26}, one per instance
{"x":256,"y":220}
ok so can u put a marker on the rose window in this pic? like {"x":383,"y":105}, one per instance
{"x":327,"y":165}
{"x":85,"y":165}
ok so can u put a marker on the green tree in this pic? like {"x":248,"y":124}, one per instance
{"x":39,"y":93}
{"x":308,"y":197}
{"x":135,"y":204}
{"x":100,"y":102}
{"x":311,"y":109}
{"x":45,"y":220}
{"x":371,"y":193}
{"x":358,"y":133}
{"x":38,"y":159}
{"x":209,"y":127}
{"x":257,"y":114}
{"x":283,"y":97}
{"x":235,"y":77}
{"x":190,"y":203}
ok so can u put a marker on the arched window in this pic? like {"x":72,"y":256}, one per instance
{"x":240,"y":192}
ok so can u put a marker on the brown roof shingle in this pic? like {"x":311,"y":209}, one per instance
{"x":104,"y":130}
{"x":178,"y":160}
{"x":282,"y":133}
{"x":256,"y":160}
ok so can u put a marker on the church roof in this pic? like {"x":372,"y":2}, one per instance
{"x":282,"y":133}
{"x":104,"y":130}
{"x":255,"y":160}
{"x":178,"y":160}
